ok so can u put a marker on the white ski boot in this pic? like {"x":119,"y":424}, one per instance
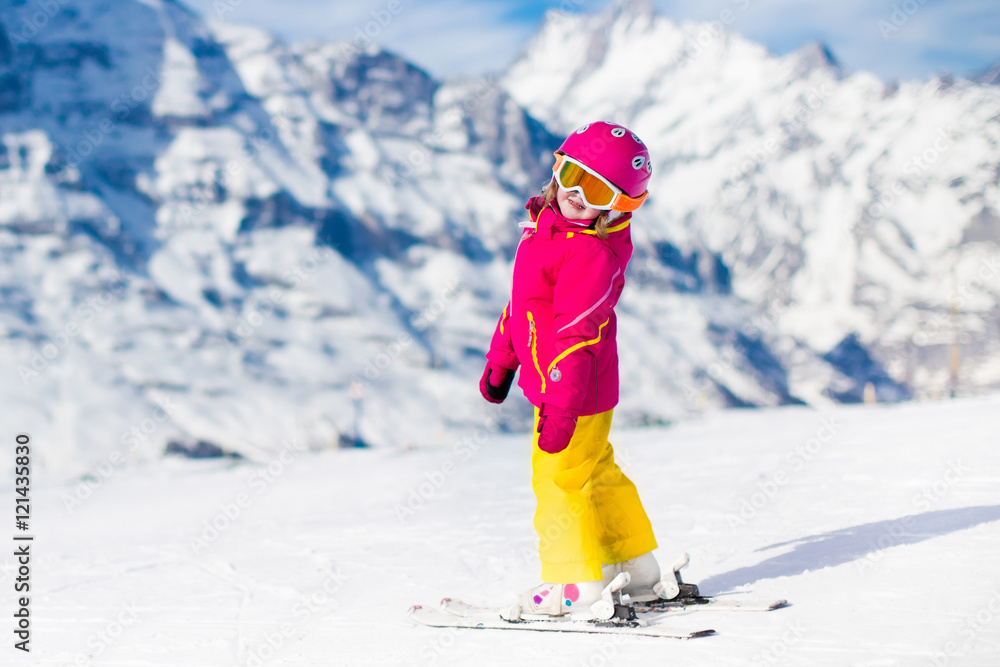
{"x":647,"y":583}
{"x":587,"y":601}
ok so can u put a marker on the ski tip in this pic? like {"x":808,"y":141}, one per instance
{"x":702,"y":633}
{"x":779,"y":604}
{"x":445,"y":601}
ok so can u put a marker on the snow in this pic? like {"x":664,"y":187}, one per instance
{"x":179,"y":93}
{"x":878,"y":523}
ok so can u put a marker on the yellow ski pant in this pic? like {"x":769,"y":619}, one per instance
{"x":588,"y":513}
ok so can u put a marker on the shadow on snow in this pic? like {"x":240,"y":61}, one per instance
{"x":850,"y":544}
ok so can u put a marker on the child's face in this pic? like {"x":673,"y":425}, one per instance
{"x":572,"y":207}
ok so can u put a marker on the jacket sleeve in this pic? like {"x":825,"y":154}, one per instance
{"x":586,"y":291}
{"x":501,"y":350}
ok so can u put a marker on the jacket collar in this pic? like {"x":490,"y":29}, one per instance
{"x":548,"y":219}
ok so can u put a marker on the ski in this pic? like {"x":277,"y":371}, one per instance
{"x":677,"y":596}
{"x":622,"y":615}
{"x":680,"y":596}
{"x":708,"y":603}
{"x":678,"y":606}
{"x":492,"y":621}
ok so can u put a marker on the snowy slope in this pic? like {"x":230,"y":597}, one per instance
{"x":852,"y":210}
{"x":879,"y":524}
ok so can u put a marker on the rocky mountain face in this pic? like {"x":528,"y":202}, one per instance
{"x":207,"y":236}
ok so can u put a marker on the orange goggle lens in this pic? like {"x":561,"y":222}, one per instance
{"x":595,"y":190}
{"x":596,"y":193}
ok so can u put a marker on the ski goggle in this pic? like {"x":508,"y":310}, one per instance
{"x":596,"y":191}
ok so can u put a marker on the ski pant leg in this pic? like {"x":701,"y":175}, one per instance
{"x":588,"y":511}
{"x":624,"y":530}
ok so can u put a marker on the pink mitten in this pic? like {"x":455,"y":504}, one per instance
{"x":495,"y":382}
{"x":555,"y":428}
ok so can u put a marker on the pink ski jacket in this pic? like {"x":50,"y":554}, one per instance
{"x":560,"y":322}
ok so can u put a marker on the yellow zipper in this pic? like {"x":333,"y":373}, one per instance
{"x":532,"y":343}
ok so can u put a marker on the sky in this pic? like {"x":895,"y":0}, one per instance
{"x":895,"y":39}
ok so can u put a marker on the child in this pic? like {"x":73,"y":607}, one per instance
{"x":560,"y":326}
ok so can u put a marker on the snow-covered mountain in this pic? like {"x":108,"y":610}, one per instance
{"x":207,"y":235}
{"x":858,"y":214}
{"x":991,"y":75}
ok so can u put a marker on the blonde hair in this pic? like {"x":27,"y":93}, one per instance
{"x":600,"y":222}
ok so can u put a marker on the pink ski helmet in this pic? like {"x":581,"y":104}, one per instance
{"x":614,"y":152}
